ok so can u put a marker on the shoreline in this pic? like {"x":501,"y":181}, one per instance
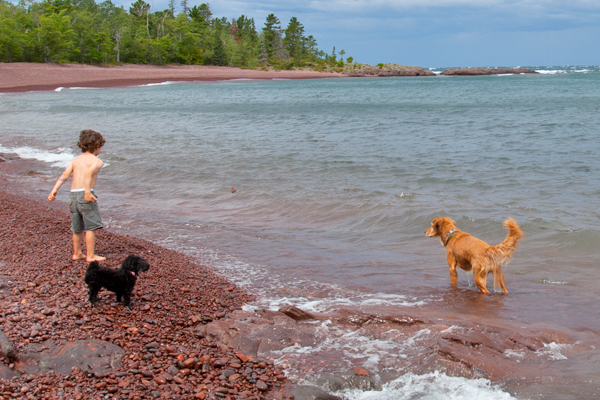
{"x":200,"y":317}
{"x":25,"y":77}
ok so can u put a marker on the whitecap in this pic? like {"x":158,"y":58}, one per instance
{"x":160,"y":83}
{"x":432,"y":386}
{"x":550,"y":71}
{"x":83,"y":88}
{"x":58,"y":158}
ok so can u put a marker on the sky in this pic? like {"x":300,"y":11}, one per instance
{"x":436,"y":33}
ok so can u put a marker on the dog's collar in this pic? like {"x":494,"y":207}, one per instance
{"x":132,"y":273}
{"x":449,"y":236}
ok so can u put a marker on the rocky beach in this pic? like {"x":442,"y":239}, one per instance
{"x":64,"y":348}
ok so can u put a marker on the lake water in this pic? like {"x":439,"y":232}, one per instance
{"x":337,"y":179}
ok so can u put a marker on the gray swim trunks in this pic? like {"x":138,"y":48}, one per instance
{"x":85,"y":215}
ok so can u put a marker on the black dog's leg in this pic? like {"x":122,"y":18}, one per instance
{"x":119,"y":295}
{"x":127,"y":299}
{"x":93,"y":294}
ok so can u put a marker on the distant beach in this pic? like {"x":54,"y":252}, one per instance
{"x":24,"y":77}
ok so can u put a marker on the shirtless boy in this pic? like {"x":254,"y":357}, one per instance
{"x":82,"y":199}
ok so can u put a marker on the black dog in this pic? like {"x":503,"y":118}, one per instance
{"x":120,"y":281}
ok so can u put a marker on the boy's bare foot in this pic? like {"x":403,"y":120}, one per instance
{"x":77,"y":256}
{"x":95,"y":258}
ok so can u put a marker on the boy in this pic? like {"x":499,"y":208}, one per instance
{"x":82,"y":199}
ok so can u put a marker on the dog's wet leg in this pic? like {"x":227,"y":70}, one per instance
{"x":499,"y":276}
{"x":480,"y":279}
{"x":452,"y":266}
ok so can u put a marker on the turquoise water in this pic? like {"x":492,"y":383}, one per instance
{"x":337,"y":179}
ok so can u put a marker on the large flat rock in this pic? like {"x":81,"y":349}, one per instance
{"x":93,"y":356}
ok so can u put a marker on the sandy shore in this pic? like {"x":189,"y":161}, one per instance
{"x":22,"y":77}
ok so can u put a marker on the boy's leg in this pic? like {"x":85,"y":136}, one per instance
{"x":90,"y":244}
{"x":77,"y":242}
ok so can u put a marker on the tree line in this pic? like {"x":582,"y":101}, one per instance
{"x":83,"y":31}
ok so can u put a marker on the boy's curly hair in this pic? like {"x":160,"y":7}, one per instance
{"x":90,"y":140}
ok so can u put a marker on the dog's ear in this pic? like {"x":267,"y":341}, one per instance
{"x":142,"y":265}
{"x":439,"y":225}
{"x":129,"y":263}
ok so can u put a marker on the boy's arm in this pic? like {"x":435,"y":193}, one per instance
{"x":89,"y":176}
{"x":62,"y":179}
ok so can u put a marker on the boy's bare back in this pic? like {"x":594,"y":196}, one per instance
{"x":85,"y":171}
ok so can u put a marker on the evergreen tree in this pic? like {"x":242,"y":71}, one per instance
{"x":271,"y":33}
{"x":219,"y":57}
{"x":84,"y":31}
{"x":294,"y":40}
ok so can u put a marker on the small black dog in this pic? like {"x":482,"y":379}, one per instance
{"x":120,"y":281}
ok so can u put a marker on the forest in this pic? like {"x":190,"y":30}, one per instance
{"x":86,"y":32}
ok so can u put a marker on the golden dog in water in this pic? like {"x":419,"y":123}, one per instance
{"x":474,"y":255}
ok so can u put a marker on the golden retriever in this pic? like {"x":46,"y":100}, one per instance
{"x":474,"y":255}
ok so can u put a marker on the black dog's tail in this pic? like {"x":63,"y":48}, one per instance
{"x":91,"y":270}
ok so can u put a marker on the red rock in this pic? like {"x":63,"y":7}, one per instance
{"x":262,"y":386}
{"x":160,"y":380}
{"x":360,"y":371}
{"x":242,"y":357}
{"x":219,"y":363}
{"x":190,"y":363}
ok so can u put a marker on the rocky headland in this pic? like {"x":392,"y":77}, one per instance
{"x":366,"y":70}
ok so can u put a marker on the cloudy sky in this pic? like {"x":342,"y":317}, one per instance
{"x":437,"y":33}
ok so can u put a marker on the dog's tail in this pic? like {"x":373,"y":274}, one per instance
{"x":502,"y":253}
{"x":91,"y":270}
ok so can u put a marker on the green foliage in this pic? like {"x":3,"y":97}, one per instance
{"x":90,"y":32}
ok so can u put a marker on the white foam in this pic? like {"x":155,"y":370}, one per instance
{"x":58,"y":158}
{"x":432,"y":386}
{"x":354,"y":300}
{"x":551,"y":72}
{"x":59,"y":89}
{"x":550,"y":282}
{"x":160,"y":83}
{"x":553,"y":350}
